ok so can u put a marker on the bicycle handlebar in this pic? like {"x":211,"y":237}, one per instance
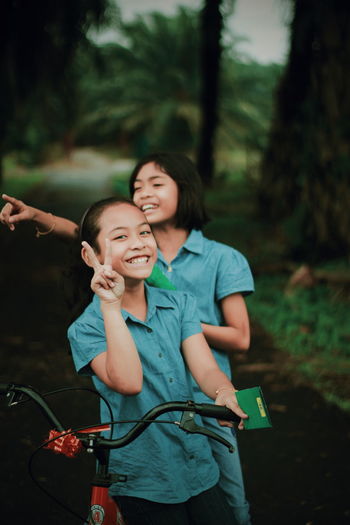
{"x":203,"y":409}
{"x":13,"y":389}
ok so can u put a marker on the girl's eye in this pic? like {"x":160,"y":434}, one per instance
{"x":119,"y":237}
{"x":137,"y":189}
{"x":145,"y":232}
{"x":157,"y":185}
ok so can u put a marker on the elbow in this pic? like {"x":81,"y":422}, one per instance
{"x":130,"y":387}
{"x":243,"y":343}
{"x":131,"y":390}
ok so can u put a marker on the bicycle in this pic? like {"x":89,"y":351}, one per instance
{"x":103,"y":509}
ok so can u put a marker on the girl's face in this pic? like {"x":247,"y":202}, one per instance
{"x":156,"y":194}
{"x":134,"y":249}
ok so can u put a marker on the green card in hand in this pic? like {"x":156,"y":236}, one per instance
{"x":251,"y":401}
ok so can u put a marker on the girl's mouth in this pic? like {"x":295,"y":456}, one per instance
{"x":140,"y":259}
{"x":147,"y":207}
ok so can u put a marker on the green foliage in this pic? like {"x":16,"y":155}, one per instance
{"x":311,"y":326}
{"x":147,"y":96}
{"x":17,"y":182}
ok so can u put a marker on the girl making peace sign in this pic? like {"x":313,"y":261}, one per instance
{"x":141,"y":345}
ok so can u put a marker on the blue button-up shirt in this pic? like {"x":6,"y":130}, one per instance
{"x":164,"y":464}
{"x":210,"y":271}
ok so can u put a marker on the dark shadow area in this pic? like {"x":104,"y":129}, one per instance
{"x":296,"y":473}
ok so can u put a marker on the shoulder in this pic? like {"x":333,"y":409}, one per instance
{"x":91,"y":317}
{"x":221,"y":250}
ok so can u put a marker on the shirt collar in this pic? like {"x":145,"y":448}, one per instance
{"x":156,"y":298}
{"x":194,"y":242}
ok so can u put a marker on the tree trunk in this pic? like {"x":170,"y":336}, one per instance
{"x":211,"y":27}
{"x":306,"y":169}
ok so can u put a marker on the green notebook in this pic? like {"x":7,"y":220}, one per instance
{"x":251,"y":401}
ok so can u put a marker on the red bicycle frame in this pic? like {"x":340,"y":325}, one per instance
{"x":103,"y":509}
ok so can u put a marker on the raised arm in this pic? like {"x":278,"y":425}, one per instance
{"x":119,"y":367}
{"x":16,"y":211}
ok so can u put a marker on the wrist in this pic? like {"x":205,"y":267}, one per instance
{"x":45,"y":223}
{"x":229,"y":388}
{"x":110,"y":306}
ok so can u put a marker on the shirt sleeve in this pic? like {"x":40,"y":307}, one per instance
{"x":87,"y":340}
{"x":190,"y":324}
{"x":233,"y":275}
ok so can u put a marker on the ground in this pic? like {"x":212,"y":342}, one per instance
{"x":296,"y":473}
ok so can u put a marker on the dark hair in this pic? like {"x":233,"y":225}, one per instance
{"x":191,"y":213}
{"x":77,"y":276}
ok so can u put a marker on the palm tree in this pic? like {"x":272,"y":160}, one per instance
{"x":149,"y":92}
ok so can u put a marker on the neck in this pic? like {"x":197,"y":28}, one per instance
{"x":134,"y":298}
{"x":169,"y":239}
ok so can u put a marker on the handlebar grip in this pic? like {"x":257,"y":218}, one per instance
{"x":218,"y":412}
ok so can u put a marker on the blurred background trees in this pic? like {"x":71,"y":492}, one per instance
{"x":177,"y":82}
{"x":306,"y":168}
{"x":38,"y":44}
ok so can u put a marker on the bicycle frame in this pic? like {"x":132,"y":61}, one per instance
{"x":103,"y":509}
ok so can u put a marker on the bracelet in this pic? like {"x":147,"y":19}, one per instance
{"x":225,"y":388}
{"x":39,"y":233}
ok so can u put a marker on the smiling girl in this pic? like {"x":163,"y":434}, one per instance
{"x":141,"y":344}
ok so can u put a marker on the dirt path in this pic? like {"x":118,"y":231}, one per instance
{"x":296,"y":474}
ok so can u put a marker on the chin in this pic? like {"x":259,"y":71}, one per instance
{"x":140,"y":275}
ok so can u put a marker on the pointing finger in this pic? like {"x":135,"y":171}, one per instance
{"x":11,"y":200}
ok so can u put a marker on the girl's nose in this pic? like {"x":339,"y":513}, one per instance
{"x":137,"y":243}
{"x":145,"y":192}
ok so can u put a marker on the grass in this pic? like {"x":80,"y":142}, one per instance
{"x":311,"y":326}
{"x":17,"y":180}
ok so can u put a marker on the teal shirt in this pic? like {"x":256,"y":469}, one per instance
{"x":209,"y":270}
{"x":164,"y":464}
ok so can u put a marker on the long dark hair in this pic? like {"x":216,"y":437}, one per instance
{"x":78,"y":275}
{"x":191,"y":212}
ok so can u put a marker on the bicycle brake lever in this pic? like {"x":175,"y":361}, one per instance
{"x":14,"y":398}
{"x":188,"y":424}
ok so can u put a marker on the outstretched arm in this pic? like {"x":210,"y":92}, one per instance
{"x":16,"y":211}
{"x":119,"y":367}
{"x":236,"y":334}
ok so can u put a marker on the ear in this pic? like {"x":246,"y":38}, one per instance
{"x":85,"y":257}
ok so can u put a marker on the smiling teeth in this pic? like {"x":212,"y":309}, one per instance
{"x":138,"y":260}
{"x":148,"y":207}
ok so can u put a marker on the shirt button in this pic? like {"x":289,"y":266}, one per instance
{"x":191,"y":456}
{"x":171,"y":379}
{"x":149,"y":330}
{"x":160,"y":354}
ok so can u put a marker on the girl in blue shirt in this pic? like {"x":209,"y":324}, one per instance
{"x":140,"y":345}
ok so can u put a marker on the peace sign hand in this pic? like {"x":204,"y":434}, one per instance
{"x":106,"y":282}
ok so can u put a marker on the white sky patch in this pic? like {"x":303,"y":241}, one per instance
{"x":263,"y":24}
